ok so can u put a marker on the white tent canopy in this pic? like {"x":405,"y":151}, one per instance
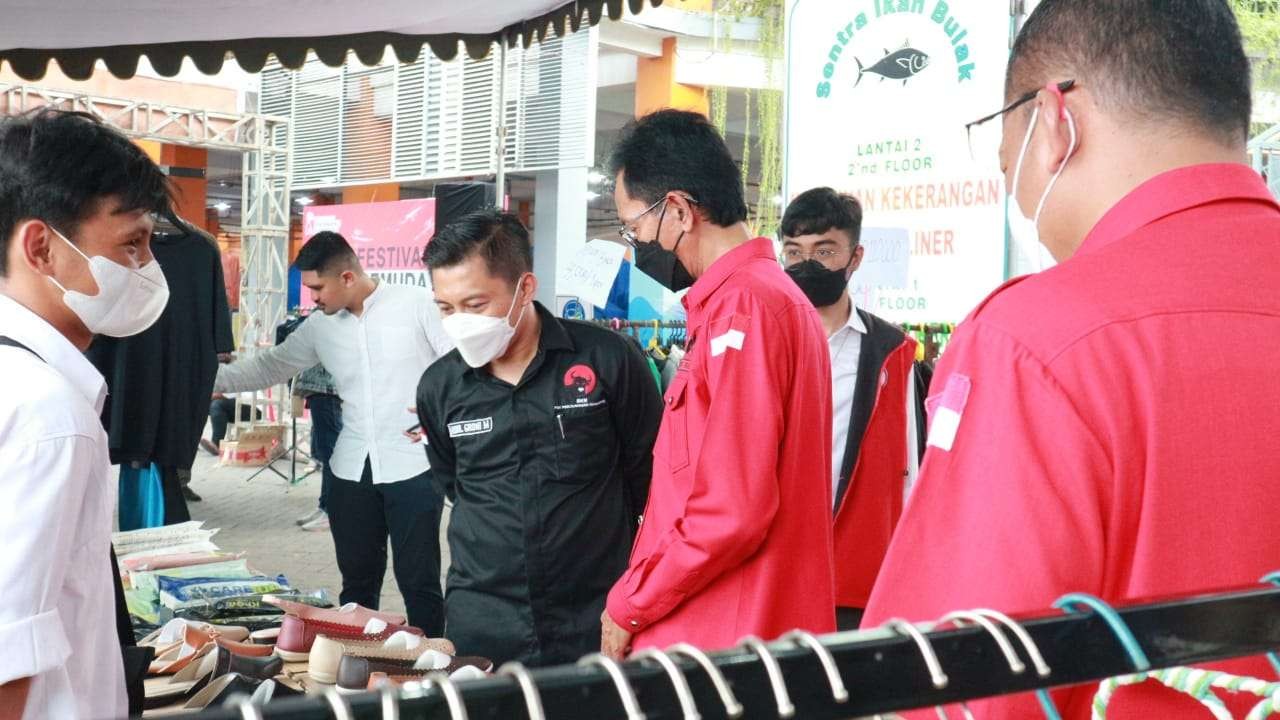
{"x":78,"y":33}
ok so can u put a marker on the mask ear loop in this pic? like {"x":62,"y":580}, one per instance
{"x":1070,"y":150}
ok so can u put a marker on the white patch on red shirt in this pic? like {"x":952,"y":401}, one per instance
{"x":731,"y":339}
{"x":947,"y":410}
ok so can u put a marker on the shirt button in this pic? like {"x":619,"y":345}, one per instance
{"x":635,"y":623}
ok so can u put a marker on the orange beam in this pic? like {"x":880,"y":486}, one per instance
{"x":384,"y":192}
{"x":656,"y":86}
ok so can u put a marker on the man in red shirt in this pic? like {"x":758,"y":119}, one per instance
{"x":736,"y":537}
{"x":1106,"y":426}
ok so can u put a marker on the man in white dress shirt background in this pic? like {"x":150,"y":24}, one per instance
{"x":878,"y":421}
{"x":376,"y":340}
{"x":76,"y":200}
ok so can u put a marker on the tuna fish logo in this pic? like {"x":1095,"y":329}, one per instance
{"x":901,"y":65}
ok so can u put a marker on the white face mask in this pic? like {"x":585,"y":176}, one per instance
{"x":481,"y":339}
{"x":1024,"y":230}
{"x":129,"y":300}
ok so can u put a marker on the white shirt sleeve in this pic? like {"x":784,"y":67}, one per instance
{"x":271,"y":367}
{"x":913,"y":438}
{"x":41,"y":500}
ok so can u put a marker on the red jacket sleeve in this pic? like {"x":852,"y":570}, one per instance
{"x":1010,"y":510}
{"x":742,"y":366}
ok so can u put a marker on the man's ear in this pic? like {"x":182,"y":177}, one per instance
{"x":686,"y":212}
{"x":1054,"y":124}
{"x":529,"y":287}
{"x":33,"y":244}
{"x":858,"y":253}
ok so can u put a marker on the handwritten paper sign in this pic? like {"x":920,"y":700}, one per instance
{"x":592,"y":270}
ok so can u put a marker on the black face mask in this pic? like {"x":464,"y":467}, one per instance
{"x":822,"y":286}
{"x":661,"y":264}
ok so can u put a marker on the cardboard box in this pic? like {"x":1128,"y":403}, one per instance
{"x":256,"y":446}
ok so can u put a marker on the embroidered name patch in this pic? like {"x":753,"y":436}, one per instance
{"x":470,"y":427}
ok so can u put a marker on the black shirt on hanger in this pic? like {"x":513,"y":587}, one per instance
{"x":160,"y":381}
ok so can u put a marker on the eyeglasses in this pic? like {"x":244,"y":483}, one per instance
{"x":794,"y":256}
{"x":629,"y":234}
{"x":984,"y":137}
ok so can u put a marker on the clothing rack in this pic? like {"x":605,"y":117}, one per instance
{"x":620,"y":324}
{"x":933,"y":338}
{"x":883,"y":673}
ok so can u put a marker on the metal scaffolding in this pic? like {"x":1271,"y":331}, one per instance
{"x":1264,"y":152}
{"x":262,"y":141}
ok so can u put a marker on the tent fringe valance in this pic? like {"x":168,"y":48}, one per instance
{"x":252,"y":54}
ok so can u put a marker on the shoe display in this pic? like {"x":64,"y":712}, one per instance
{"x":271,"y":690}
{"x":327,"y":652}
{"x":303,"y":623}
{"x":358,"y":674}
{"x":189,"y":680}
{"x":221,"y":689}
{"x":174,"y":632}
{"x":310,"y":517}
{"x":196,"y":640}
{"x":320,"y":524}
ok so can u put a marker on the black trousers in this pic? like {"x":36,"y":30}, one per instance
{"x":362,"y":515}
{"x":848,"y":618}
{"x":221,"y":413}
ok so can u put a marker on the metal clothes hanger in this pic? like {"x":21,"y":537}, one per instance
{"x":839,"y":692}
{"x":732,"y":708}
{"x":786,"y":709}
{"x":630,"y":705}
{"x":532,"y":699}
{"x":688,"y":706}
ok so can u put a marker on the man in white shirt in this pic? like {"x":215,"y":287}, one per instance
{"x":75,"y":227}
{"x":877,"y":424}
{"x":376,"y":340}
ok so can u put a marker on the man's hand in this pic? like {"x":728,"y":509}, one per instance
{"x":614,"y":641}
{"x":414,"y":433}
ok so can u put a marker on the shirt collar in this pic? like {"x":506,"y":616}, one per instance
{"x":53,"y":347}
{"x":721,"y":270}
{"x":554,"y":336}
{"x":1173,"y":192}
{"x":855,"y":321}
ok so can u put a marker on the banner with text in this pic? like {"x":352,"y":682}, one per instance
{"x":878,"y":93}
{"x":388,"y":237}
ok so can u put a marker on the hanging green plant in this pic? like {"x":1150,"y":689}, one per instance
{"x":767,"y":102}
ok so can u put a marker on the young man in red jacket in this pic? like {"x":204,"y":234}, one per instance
{"x":877,"y":428}
{"x":736,"y":537}
{"x":1108,"y":425}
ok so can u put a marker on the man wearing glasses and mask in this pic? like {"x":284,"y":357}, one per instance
{"x":877,"y":426}
{"x":1108,"y":425}
{"x":736,"y":539}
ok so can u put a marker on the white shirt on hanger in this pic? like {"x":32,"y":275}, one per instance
{"x":376,"y":360}
{"x":845,"y":345}
{"x":57,"y":498}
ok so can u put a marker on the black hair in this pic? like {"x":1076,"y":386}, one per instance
{"x":1157,"y":60}
{"x":816,"y":211}
{"x":326,"y":253}
{"x":500,"y":238}
{"x":674,"y":150}
{"x":56,"y":166}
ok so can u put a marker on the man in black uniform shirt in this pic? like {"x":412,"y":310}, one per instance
{"x":541,"y":431}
